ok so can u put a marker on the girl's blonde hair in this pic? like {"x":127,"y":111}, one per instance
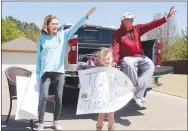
{"x":101,"y":55}
{"x":47,"y":20}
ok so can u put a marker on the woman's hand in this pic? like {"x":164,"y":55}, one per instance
{"x":91,"y":11}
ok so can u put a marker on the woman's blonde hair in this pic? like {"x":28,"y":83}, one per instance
{"x":101,"y":55}
{"x":47,"y":20}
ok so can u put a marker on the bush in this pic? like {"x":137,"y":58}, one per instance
{"x":178,"y":50}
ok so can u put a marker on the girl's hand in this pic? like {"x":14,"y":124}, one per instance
{"x":134,"y":90}
{"x":51,"y":98}
{"x":114,"y":64}
{"x":91,"y":11}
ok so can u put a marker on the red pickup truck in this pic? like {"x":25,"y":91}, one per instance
{"x":91,"y":38}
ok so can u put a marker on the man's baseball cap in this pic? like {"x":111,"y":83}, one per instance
{"x":127,"y":15}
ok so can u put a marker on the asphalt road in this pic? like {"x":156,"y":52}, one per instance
{"x":162,"y":112}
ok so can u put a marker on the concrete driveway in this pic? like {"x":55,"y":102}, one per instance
{"x":163,"y":112}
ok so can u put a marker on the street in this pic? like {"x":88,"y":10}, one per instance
{"x":163,"y":112}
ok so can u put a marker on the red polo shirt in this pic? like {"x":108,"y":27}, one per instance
{"x":128,"y":43}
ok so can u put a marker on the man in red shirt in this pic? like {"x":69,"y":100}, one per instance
{"x":128,"y":49}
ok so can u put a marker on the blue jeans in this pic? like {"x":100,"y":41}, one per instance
{"x":46,"y":81}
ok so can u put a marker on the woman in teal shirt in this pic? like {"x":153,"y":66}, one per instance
{"x":51,"y":48}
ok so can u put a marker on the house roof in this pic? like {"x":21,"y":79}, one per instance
{"x":21,"y":43}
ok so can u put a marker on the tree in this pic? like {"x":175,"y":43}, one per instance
{"x":10,"y":31}
{"x":15,"y":21}
{"x":185,"y":35}
{"x":30,"y":30}
{"x":166,"y":34}
{"x":31,"y":34}
{"x":178,"y":50}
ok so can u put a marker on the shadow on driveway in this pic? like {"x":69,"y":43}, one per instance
{"x":69,"y":113}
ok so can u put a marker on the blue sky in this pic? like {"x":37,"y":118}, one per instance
{"x":107,"y":13}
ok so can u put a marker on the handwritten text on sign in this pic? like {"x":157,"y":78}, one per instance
{"x":103,"y":90}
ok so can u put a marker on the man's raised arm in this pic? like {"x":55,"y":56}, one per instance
{"x":144,"y":28}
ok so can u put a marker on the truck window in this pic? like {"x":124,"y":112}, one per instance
{"x":94,"y":36}
{"x":91,"y":35}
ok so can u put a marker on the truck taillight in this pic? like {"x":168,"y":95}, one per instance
{"x":159,"y":58}
{"x":72,"y":54}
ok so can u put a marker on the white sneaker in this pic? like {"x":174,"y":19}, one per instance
{"x":139,"y":103}
{"x":57,"y":126}
{"x":40,"y":127}
{"x":143,"y":100}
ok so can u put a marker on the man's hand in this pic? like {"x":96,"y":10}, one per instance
{"x":171,"y":13}
{"x":114,"y":64}
{"x":91,"y":11}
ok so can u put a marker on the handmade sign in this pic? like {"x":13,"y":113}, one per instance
{"x":103,"y":90}
{"x":27,"y":97}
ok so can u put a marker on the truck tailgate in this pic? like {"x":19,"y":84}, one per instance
{"x":162,"y":70}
